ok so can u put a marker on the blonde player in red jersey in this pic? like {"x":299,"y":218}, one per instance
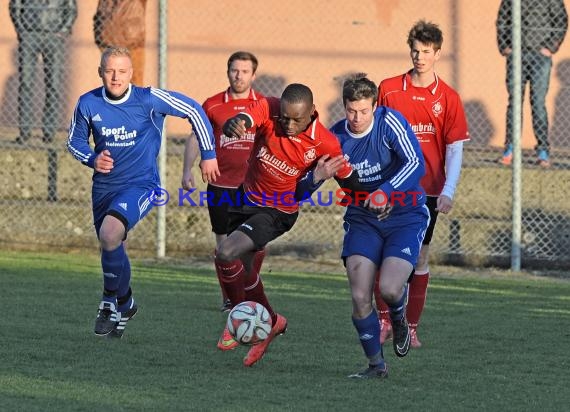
{"x":290,"y":142}
{"x":231,"y":152}
{"x":436,"y":115}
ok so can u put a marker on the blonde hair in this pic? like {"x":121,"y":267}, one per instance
{"x":114,"y":51}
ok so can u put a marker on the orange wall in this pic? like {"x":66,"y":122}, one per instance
{"x":311,"y":42}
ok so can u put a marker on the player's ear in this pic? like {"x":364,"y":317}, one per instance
{"x":437,"y":54}
{"x":100,"y":71}
{"x":313,"y":109}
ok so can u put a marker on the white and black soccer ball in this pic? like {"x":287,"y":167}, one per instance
{"x":249,"y":323}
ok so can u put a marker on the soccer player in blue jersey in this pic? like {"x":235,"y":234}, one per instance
{"x":126,"y":122}
{"x":386,"y":230}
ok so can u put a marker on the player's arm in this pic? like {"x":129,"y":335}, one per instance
{"x":236,"y":126}
{"x":453,"y":161}
{"x":78,"y":138}
{"x":256,"y":113}
{"x":179,"y":105}
{"x":191,"y":151}
{"x":406,"y":146}
{"x":325,"y":168}
{"x":78,"y":143}
{"x":345,"y":176}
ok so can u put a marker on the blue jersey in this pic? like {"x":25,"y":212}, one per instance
{"x":131,"y":129}
{"x":387,"y":157}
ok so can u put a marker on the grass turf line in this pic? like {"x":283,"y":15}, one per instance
{"x":489,"y":343}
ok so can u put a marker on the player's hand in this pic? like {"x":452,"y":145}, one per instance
{"x":188,"y":181}
{"x":234,"y":127}
{"x":385,"y":212}
{"x":507,"y":51}
{"x":545,"y":52}
{"x":444,"y":204}
{"x":104,"y":162}
{"x":378,"y":203}
{"x":327,"y":167}
{"x":210,"y":171}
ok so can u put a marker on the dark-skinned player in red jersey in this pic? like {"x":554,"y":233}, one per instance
{"x":290,"y":145}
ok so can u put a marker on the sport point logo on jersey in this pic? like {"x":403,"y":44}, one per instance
{"x":121,"y":137}
{"x":367,"y":172}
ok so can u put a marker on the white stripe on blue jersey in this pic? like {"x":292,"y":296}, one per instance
{"x":131,"y":129}
{"x":387,"y":157}
{"x":412,"y":161}
{"x":198,"y":123}
{"x":79,"y":155}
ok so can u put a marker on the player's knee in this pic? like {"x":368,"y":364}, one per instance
{"x":225,"y":253}
{"x":362,"y":303}
{"x":391,"y":293}
{"x":110,"y":240}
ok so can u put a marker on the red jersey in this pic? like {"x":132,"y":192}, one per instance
{"x":437,"y":118}
{"x":232,"y":153}
{"x":279,"y":161}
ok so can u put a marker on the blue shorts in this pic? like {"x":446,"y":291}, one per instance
{"x":399,"y":235}
{"x":128,"y":205}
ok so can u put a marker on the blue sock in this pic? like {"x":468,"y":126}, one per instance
{"x":369,"y":334}
{"x":398,"y":309}
{"x":124,"y":289}
{"x":125,"y":302}
{"x":113,"y":263}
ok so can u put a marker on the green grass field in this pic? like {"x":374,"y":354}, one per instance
{"x":490,"y":343}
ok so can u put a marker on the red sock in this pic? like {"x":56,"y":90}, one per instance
{"x":219,"y":275}
{"x":381,"y":306}
{"x":417,"y":298}
{"x":254,"y":291}
{"x":232,"y":275}
{"x":256,"y":262}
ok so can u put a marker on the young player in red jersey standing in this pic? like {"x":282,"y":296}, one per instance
{"x":232,"y":152}
{"x":290,"y":142}
{"x":437,"y":117}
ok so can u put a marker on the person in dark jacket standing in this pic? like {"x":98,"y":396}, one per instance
{"x":543,"y":27}
{"x":43,"y":27}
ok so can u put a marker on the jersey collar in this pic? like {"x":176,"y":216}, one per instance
{"x":122,"y":100}
{"x":358,"y":135}
{"x":228,"y":96}
{"x":407,"y":82}
{"x":312,"y":129}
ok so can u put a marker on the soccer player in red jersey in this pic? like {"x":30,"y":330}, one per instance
{"x":436,"y":115}
{"x":232,"y":152}
{"x":290,"y":144}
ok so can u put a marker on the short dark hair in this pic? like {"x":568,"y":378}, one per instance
{"x":426,"y":32}
{"x":297,"y":93}
{"x":358,"y":87}
{"x":243,"y":55}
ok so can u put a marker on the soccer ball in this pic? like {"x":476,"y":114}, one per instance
{"x":249,"y":323}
